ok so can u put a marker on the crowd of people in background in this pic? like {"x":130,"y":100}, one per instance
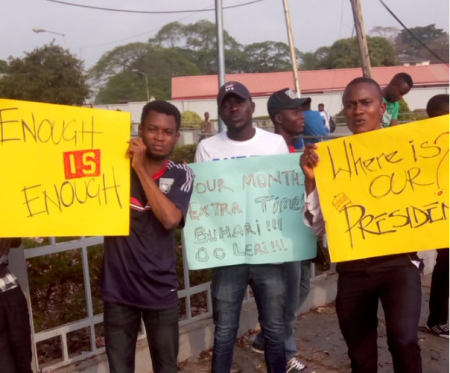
{"x":139,"y":280}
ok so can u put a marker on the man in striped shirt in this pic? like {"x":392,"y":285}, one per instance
{"x":139,"y":278}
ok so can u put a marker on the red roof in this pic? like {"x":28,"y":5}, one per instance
{"x":312,"y":81}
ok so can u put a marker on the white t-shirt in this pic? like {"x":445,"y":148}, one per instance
{"x":220,"y":146}
{"x":326,"y":118}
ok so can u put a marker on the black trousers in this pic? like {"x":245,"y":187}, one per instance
{"x":398,"y":287}
{"x":15,"y":333}
{"x":439,"y":290}
{"x":121,"y":331}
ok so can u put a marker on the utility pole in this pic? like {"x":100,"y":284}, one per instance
{"x":362,"y":40}
{"x":220,"y":53}
{"x":291,"y":46}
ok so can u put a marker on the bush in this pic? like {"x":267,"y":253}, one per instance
{"x":406,"y":115}
{"x":190,"y":119}
{"x":404,"y":108}
{"x":184,"y":154}
{"x":57,"y":287}
{"x":412,"y":117}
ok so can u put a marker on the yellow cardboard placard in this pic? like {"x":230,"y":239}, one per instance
{"x":387,"y":191}
{"x":63,"y":170}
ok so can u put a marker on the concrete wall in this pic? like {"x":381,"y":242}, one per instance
{"x":416,"y":99}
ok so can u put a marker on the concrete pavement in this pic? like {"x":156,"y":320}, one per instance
{"x":322,"y":348}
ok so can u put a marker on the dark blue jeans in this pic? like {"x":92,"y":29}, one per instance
{"x":121,"y":330}
{"x":228,"y":288}
{"x":15,"y":333}
{"x":398,"y":287}
{"x":298,"y":277}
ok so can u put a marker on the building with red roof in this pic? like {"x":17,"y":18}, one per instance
{"x":198,"y":93}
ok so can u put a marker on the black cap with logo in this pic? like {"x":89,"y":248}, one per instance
{"x":285,"y":99}
{"x":233,"y":87}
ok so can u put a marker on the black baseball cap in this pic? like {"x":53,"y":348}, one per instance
{"x":285,"y":99}
{"x":233,"y":87}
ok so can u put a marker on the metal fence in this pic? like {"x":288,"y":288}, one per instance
{"x":18,"y":259}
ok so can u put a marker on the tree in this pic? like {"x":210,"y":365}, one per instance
{"x":382,"y":51}
{"x":170,"y":35}
{"x":268,"y":56}
{"x":48,"y":74}
{"x":116,"y":82}
{"x":388,"y":32}
{"x":344,"y":53}
{"x":433,"y":38}
{"x":195,"y":36}
{"x":198,"y":42}
{"x":3,"y":66}
{"x":118,"y":60}
{"x":308,"y":61}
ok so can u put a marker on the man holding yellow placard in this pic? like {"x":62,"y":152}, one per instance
{"x":392,"y":279}
{"x":139,"y":278}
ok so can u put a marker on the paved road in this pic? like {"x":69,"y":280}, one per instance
{"x":321,"y":346}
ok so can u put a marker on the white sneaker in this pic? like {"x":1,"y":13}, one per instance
{"x":439,"y":330}
{"x":294,"y":365}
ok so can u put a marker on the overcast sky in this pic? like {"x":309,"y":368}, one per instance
{"x":90,"y":33}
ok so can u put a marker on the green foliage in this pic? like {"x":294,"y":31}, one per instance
{"x":178,"y":50}
{"x":344,"y":53}
{"x":412,"y":116}
{"x":309,"y":60}
{"x":404,"y":108}
{"x":382,"y":52}
{"x":170,"y":35}
{"x":3,"y":67}
{"x":268,"y":56}
{"x":56,"y":285}
{"x":57,"y":289}
{"x":387,"y":32}
{"x":184,"y":153}
{"x":48,"y":74}
{"x":196,"y":36}
{"x":197,"y":41}
{"x":119,"y":89}
{"x":433,"y":38}
{"x":406,"y":115}
{"x":117,"y":82}
{"x":190,"y":119}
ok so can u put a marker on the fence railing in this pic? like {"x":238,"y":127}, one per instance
{"x":90,"y":323}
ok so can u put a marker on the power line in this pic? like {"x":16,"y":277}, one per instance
{"x":149,"y":11}
{"x":150,"y":31}
{"x":414,"y":36}
{"x":130,"y":37}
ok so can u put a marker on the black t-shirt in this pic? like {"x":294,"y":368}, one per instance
{"x":140,"y":269}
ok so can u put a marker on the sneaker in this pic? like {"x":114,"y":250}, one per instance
{"x":257,"y":347}
{"x":439,"y":330}
{"x":444,"y":329}
{"x":294,"y":365}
